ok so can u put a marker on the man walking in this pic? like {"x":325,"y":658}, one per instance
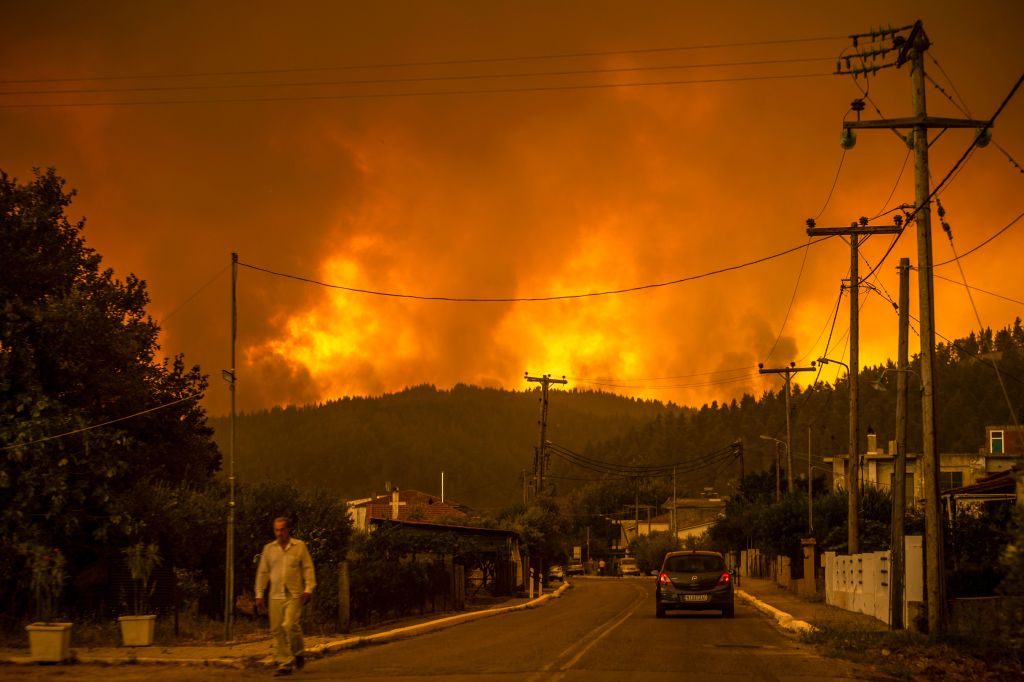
{"x":287,"y":566}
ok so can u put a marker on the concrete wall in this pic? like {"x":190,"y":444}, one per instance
{"x":860,"y":582}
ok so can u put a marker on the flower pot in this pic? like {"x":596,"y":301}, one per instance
{"x":137,"y":630}
{"x":49,"y":642}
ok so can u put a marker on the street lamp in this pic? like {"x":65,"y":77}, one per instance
{"x":826,"y":361}
{"x":778,"y":483}
{"x":879,"y":383}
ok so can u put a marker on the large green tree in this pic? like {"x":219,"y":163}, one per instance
{"x":87,"y":410}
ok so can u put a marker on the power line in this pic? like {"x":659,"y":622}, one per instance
{"x":446,"y":62}
{"x":96,"y":426}
{"x":666,"y":378}
{"x":835,"y":181}
{"x":895,"y":186}
{"x":970,"y":251}
{"x":717,"y":382}
{"x":796,"y":287}
{"x":979,"y":290}
{"x":953,"y":171}
{"x":530,"y":299}
{"x":411,"y":79}
{"x":195,"y":293}
{"x":425,"y":93}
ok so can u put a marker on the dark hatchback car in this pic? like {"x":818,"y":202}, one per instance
{"x":696,"y":581}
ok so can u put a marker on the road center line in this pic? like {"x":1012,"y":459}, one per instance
{"x":592,"y":638}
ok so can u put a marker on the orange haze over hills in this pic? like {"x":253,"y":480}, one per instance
{"x":552,"y":187}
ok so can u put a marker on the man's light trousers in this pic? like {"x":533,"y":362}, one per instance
{"x":285,"y":617}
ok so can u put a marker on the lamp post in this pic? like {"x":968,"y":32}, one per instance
{"x":779,"y":444}
{"x":853,"y":465}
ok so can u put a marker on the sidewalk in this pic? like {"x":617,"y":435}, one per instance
{"x":260,"y":653}
{"x":797,"y":613}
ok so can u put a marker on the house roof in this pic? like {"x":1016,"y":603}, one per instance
{"x":1001,"y":483}
{"x":411,"y":504}
{"x":462,"y":530}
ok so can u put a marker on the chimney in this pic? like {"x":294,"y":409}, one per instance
{"x":872,"y":444}
{"x":394,"y":504}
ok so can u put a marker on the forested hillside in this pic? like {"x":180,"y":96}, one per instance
{"x":483,"y":438}
{"x":969,"y":397}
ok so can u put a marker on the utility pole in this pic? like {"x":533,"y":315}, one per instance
{"x":899,"y":485}
{"x":778,"y":446}
{"x":737,"y":450}
{"x":540,"y":457}
{"x":787,"y":373}
{"x":675,"y":529}
{"x":854,"y":231}
{"x":864,"y":62}
{"x":810,"y":488}
{"x":229,"y":375}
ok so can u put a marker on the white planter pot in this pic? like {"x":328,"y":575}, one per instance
{"x":137,"y":630}
{"x":49,"y":642}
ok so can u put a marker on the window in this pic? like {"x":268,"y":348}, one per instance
{"x":950,"y":479}
{"x":995,"y":442}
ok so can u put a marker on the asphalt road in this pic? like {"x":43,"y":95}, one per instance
{"x":601,"y":630}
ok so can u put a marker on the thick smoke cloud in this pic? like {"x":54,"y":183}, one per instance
{"x":511,"y":195}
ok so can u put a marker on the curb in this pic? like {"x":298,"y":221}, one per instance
{"x":430,"y":626}
{"x":785,"y":620}
{"x":317,"y":651}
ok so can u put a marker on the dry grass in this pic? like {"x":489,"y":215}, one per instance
{"x":910,"y":656}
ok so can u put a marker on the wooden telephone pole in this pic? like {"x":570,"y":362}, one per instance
{"x":854,"y":232}
{"x":787,"y":373}
{"x":897,"y":566}
{"x":911,"y":48}
{"x":540,"y":459}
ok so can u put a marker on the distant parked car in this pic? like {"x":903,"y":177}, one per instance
{"x":694,"y":580}
{"x":556,"y":572}
{"x":627,"y":566}
{"x":575,"y":568}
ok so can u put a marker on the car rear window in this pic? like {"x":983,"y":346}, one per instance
{"x":693,"y":564}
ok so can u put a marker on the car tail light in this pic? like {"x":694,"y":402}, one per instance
{"x":725,"y":579}
{"x":664,"y":579}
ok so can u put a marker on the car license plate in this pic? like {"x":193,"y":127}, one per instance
{"x":695,"y":597}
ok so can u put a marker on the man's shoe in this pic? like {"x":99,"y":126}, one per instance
{"x":283,"y":670}
{"x":300,"y":662}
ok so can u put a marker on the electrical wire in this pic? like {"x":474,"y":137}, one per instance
{"x":953,"y":171}
{"x":195,"y":293}
{"x":834,"y":314}
{"x":102,"y":424}
{"x":796,"y":286}
{"x":835,"y":181}
{"x":978,"y":289}
{"x":531,"y":299}
{"x":410,"y":79}
{"x":716,"y":382}
{"x":962,"y":106}
{"x":977,"y":316}
{"x":640,"y":471}
{"x":446,"y":62}
{"x":665,"y":378}
{"x":970,"y":251}
{"x":423,"y":93}
{"x":882,"y":211}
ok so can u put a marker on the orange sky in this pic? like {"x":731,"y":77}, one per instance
{"x":516,"y":194}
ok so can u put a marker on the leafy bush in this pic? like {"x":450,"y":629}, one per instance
{"x":649,"y":550}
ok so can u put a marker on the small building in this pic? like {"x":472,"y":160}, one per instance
{"x":877,"y":467}
{"x":495,"y":562}
{"x":405,"y":505}
{"x":694,"y":516}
